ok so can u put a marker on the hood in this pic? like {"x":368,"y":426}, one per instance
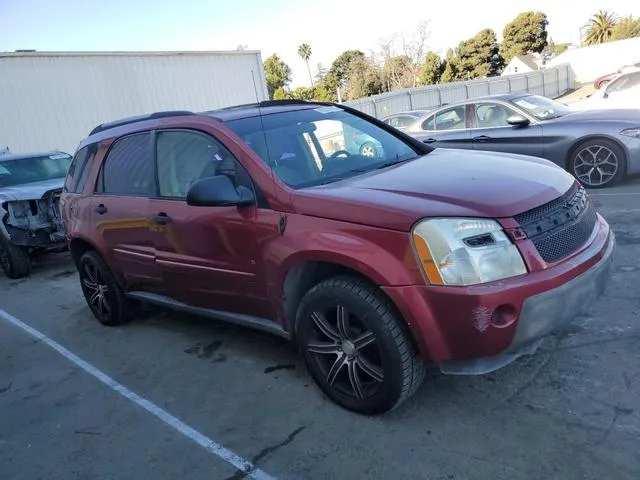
{"x":29,"y":191}
{"x":444,"y":183}
{"x":595,"y":110}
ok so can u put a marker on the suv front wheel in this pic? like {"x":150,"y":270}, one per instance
{"x":354,"y":346}
{"x":104,"y":296}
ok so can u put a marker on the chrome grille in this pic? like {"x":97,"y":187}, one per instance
{"x":560,"y":227}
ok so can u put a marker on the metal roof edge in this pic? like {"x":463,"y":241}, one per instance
{"x":133,"y":53}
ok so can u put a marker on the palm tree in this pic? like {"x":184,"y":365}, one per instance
{"x":304,"y":51}
{"x":600,"y":27}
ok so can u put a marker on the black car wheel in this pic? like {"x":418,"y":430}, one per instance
{"x":355,"y":348}
{"x":104,"y":296}
{"x":598,"y":163}
{"x":14,"y":259}
{"x":368,"y":150}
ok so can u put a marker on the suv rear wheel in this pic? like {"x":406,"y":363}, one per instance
{"x":104,"y":296}
{"x":14,"y":260}
{"x":354,"y":346}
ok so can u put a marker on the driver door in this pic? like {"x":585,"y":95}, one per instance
{"x":492,"y":132}
{"x":447,"y":129}
{"x":208,"y":257}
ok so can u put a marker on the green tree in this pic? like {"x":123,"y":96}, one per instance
{"x":628,"y":27}
{"x":397,"y":72}
{"x":524,"y":34}
{"x":304,"y":51}
{"x":431,"y":70}
{"x":278,"y":74}
{"x":341,"y":69}
{"x":600,"y":27}
{"x":364,"y":79}
{"x":450,"y":73}
{"x":554,"y":49}
{"x":477,"y":57}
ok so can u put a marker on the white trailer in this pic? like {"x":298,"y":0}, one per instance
{"x":52,"y":100}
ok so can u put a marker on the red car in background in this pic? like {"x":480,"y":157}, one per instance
{"x":605,"y":79}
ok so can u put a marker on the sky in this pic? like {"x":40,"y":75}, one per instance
{"x":274,"y":26}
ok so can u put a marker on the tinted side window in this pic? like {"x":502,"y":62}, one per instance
{"x":452,"y":119}
{"x":429,"y":124}
{"x":128,"y":168}
{"x":78,"y":169}
{"x":185,"y":157}
{"x":78,"y":159}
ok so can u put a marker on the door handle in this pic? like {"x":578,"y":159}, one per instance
{"x":100,"y":209}
{"x":481,"y":138}
{"x":162,"y":218}
{"x":429,"y":140}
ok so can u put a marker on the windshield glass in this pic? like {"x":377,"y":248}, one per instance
{"x":35,"y":169}
{"x":314,"y":146}
{"x":542,"y":108}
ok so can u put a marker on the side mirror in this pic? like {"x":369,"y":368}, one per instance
{"x":605,"y":95}
{"x":218,"y":191}
{"x":518,"y":121}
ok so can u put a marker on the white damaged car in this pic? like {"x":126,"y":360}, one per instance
{"x":30,"y":223}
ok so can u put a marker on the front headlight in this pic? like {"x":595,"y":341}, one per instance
{"x":631,"y":132}
{"x":465,"y":251}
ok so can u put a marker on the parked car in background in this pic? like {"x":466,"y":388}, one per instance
{"x":604,"y":80}
{"x":30,"y":223}
{"x":402,"y":120}
{"x":372,"y":265}
{"x":622,"y":93}
{"x":599,"y":148}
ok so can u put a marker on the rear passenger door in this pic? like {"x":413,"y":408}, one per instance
{"x":447,"y":129}
{"x":209,"y":256}
{"x":118,"y":210}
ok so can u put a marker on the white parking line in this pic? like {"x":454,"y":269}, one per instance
{"x":205,"y":442}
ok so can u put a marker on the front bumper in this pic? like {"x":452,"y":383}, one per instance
{"x":481,"y":328}
{"x":543,"y":314}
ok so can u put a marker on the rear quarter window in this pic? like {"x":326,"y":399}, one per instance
{"x":79,"y":169}
{"x":128,"y":167}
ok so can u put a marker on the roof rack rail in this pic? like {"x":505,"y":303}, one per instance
{"x":126,"y":121}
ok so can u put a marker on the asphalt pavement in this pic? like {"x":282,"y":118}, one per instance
{"x":175,"y":396}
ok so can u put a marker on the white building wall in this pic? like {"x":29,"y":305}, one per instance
{"x":52,"y":100}
{"x":588,"y":63}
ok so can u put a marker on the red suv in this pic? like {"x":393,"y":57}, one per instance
{"x":259,"y":216}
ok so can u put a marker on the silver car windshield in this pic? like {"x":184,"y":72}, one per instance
{"x":35,"y":169}
{"x":542,"y":108}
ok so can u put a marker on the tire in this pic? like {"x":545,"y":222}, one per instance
{"x":368,"y":150}
{"x":14,"y":259}
{"x":599,"y":150}
{"x":374,"y":377}
{"x":103,"y":295}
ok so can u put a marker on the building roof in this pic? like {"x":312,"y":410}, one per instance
{"x":135,"y":53}
{"x":529,"y":60}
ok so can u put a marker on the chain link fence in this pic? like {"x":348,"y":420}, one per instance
{"x":550,"y":82}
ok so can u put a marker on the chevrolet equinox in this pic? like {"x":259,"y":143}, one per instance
{"x":374,"y":265}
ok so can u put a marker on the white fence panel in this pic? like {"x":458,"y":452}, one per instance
{"x":551,"y":83}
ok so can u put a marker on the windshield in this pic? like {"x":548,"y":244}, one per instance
{"x":35,"y":169}
{"x":314,"y":146}
{"x":542,"y":108}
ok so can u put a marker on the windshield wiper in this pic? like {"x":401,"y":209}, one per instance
{"x":368,"y":168}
